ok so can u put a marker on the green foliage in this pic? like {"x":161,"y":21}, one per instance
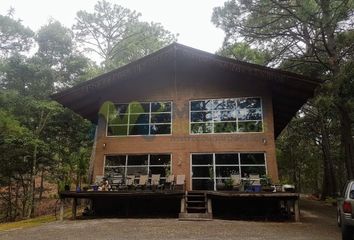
{"x":38,"y":135}
{"x":314,"y":38}
{"x":228,"y":183}
{"x":14,"y":37}
{"x":116,"y":35}
{"x":244,"y":52}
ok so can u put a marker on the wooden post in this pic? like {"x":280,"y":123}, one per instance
{"x":61,"y":214}
{"x":74,"y":208}
{"x":183,"y":205}
{"x":296,"y":210}
{"x":210,"y":208}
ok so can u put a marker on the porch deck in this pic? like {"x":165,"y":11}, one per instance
{"x":287,"y":199}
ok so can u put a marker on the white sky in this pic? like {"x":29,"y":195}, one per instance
{"x":191,"y":19}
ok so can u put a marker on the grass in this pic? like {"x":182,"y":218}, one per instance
{"x":31,"y":222}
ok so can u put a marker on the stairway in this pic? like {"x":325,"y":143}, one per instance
{"x":195,"y":207}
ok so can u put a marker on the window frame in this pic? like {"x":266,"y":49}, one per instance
{"x":212,"y":122}
{"x":214,"y":165}
{"x":126,"y":166}
{"x":128,"y":125}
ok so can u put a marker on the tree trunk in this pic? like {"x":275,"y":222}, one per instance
{"x":347,"y":139}
{"x":32,"y":185}
{"x":9,"y":201}
{"x":16,"y":199}
{"x":41,"y":187}
{"x":329,"y":187}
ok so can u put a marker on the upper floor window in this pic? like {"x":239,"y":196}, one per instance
{"x":148,"y":118}
{"x":226,"y":115}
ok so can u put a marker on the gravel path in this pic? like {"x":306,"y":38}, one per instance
{"x":318,"y":223}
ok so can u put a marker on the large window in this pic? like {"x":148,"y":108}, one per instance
{"x":218,"y":167}
{"x":226,"y":115}
{"x":137,"y":165}
{"x":152,"y":118}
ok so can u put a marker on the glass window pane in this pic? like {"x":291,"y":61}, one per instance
{"x":252,"y":158}
{"x":118,"y":119}
{"x":226,"y":171}
{"x":117,"y":130}
{"x":223,"y":104}
{"x":164,"y":159}
{"x":139,"y":118}
{"x":247,"y":170}
{"x":139,"y":107}
{"x":118,"y":160}
{"x":161,"y":118}
{"x":254,"y":126}
{"x":219,"y":116}
{"x":121,"y":108}
{"x":201,"y":105}
{"x":114,"y":171}
{"x":201,"y":172}
{"x":159,"y":170}
{"x":202,"y":159}
{"x":226,"y":159}
{"x":249,"y":103}
{"x":137,"y":171}
{"x":161,"y":107}
{"x":224,"y":127}
{"x":200,"y":184}
{"x":201,"y":116}
{"x":249,"y":114}
{"x":160,"y":129}
{"x":201,"y":127}
{"x":137,"y":160}
{"x":139,"y":130}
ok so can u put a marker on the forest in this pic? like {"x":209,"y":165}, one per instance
{"x":42,"y":142}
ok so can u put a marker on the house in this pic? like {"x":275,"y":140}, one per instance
{"x":183,"y":111}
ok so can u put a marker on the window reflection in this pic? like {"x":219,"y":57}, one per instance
{"x":226,"y":115}
{"x":136,"y":118}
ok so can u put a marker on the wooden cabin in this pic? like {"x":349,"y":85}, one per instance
{"x":183,"y":111}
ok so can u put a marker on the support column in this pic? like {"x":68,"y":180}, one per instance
{"x":210,"y":208}
{"x":61,"y":212}
{"x":74,"y":208}
{"x":183,"y":205}
{"x":296,"y":210}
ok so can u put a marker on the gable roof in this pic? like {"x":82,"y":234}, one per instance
{"x":289,"y":90}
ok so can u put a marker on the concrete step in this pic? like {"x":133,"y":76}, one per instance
{"x":196,"y":208}
{"x":195,"y":217}
{"x":194,"y":201}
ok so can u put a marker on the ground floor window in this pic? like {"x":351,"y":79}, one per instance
{"x":211,"y":170}
{"x":140,"y":164}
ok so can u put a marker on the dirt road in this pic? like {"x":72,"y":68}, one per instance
{"x":317,"y":223}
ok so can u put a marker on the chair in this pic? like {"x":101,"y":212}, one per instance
{"x":170,"y":181}
{"x":255,"y":179}
{"x":155,"y":182}
{"x":143,"y":180}
{"x":180,"y":182}
{"x":130,"y":181}
{"x":236,"y":182}
{"x":116,"y":182}
{"x":255,"y":182}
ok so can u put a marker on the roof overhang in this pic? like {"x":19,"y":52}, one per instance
{"x":289,"y":90}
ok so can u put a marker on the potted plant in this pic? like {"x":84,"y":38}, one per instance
{"x":266,"y":183}
{"x":228,"y":184}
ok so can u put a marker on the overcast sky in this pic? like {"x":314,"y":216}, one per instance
{"x":189,"y":18}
